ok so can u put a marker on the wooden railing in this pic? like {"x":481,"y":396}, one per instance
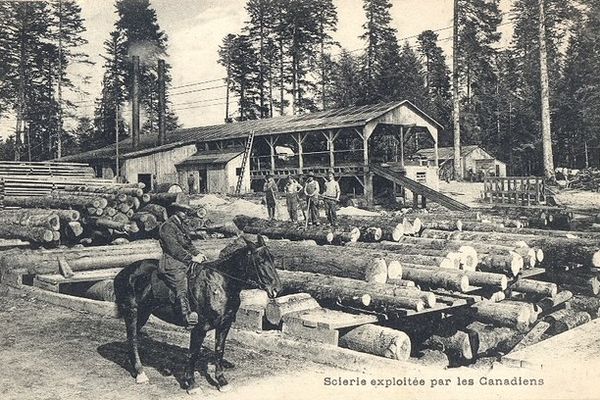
{"x":338,"y":170}
{"x":514,"y":190}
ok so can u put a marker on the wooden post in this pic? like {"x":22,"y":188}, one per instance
{"x":402,"y":146}
{"x":299,"y":140}
{"x":366,"y":132}
{"x":271,"y":142}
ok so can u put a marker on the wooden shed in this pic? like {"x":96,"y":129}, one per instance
{"x":212,"y":171}
{"x":346,"y":141}
{"x":476,"y":162}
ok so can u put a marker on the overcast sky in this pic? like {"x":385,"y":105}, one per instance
{"x":196,"y":28}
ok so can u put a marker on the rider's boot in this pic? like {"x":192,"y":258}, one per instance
{"x":190,"y":317}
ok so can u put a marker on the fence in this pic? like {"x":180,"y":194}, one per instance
{"x":514,"y":190}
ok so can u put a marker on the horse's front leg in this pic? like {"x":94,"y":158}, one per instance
{"x":131,"y":318}
{"x":220,"y":337}
{"x":196,"y":339}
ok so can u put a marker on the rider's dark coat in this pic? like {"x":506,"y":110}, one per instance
{"x":178,"y":252}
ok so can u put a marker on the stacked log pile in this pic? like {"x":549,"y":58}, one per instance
{"x":391,"y":267}
{"x":586,"y":179}
{"x":85,"y":214}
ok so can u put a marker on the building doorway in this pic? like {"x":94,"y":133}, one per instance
{"x":203,"y":180}
{"x":146,"y":179}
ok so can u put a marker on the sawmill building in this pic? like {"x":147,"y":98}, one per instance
{"x":347,"y":141}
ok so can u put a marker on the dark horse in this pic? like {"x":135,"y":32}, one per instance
{"x":215,"y":288}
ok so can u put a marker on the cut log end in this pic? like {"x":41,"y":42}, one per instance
{"x":539,"y":255}
{"x":596,"y":259}
{"x":448,"y":263}
{"x":329,"y":237}
{"x":398,"y":232}
{"x":48,"y":235}
{"x":376,"y":271}
{"x":516,"y":264}
{"x":417,"y":226}
{"x":355,"y":234}
{"x":394,"y":270}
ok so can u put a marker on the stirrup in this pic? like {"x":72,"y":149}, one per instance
{"x":191,"y":319}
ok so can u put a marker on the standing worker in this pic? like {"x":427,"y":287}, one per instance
{"x":191,"y":183}
{"x":331,"y":197}
{"x":178,"y":255}
{"x":291,"y":197}
{"x":311,"y":190}
{"x":270,"y":188}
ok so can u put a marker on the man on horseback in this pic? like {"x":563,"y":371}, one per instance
{"x":178,"y":255}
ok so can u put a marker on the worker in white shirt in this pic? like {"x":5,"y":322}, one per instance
{"x":311,"y":191}
{"x":291,"y":197}
{"x":331,"y":196}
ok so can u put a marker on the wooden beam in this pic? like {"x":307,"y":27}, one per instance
{"x":367,"y":131}
{"x":271,"y":143}
{"x":402,"y":146}
{"x":299,"y":139}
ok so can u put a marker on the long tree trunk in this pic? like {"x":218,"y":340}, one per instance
{"x":351,"y":292}
{"x":545,"y":96}
{"x":458,"y":173}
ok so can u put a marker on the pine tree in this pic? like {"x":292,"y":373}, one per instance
{"x":326,"y":14}
{"x":238,"y":56}
{"x":526,"y":36}
{"x":260,"y":32}
{"x":25,"y":35}
{"x":382,"y":50}
{"x":68,"y":27}
{"x":577,"y":98}
{"x":437,"y":78}
{"x":412,"y":84}
{"x":37,"y":44}
{"x":478,"y":27}
{"x":113,"y":96}
{"x":136,"y":33}
{"x":345,"y":84}
{"x":301,"y":36}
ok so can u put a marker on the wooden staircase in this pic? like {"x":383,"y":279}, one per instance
{"x":247,"y":152}
{"x":418,"y":188}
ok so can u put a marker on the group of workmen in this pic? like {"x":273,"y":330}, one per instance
{"x":307,"y":198}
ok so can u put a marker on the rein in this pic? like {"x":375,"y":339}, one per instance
{"x":260,"y":284}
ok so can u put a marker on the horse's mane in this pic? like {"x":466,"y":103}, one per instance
{"x":231,"y":248}
{"x":225,"y":255}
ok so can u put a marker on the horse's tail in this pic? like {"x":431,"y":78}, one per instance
{"x":125,"y":286}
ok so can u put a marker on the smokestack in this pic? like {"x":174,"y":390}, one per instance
{"x":135,"y":103}
{"x":162,"y":128}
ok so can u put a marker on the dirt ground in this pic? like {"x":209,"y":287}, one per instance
{"x":49,"y":352}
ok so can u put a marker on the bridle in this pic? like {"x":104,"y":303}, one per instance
{"x":249,"y":260}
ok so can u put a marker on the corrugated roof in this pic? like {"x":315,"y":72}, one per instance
{"x":330,"y":119}
{"x":212,"y":157}
{"x":445,"y":153}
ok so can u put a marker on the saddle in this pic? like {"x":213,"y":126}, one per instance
{"x":160,"y":290}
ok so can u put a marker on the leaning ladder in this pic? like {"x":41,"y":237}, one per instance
{"x":247,"y":151}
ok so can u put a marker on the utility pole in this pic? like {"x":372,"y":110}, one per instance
{"x":458,"y":173}
{"x":545,"y":97}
